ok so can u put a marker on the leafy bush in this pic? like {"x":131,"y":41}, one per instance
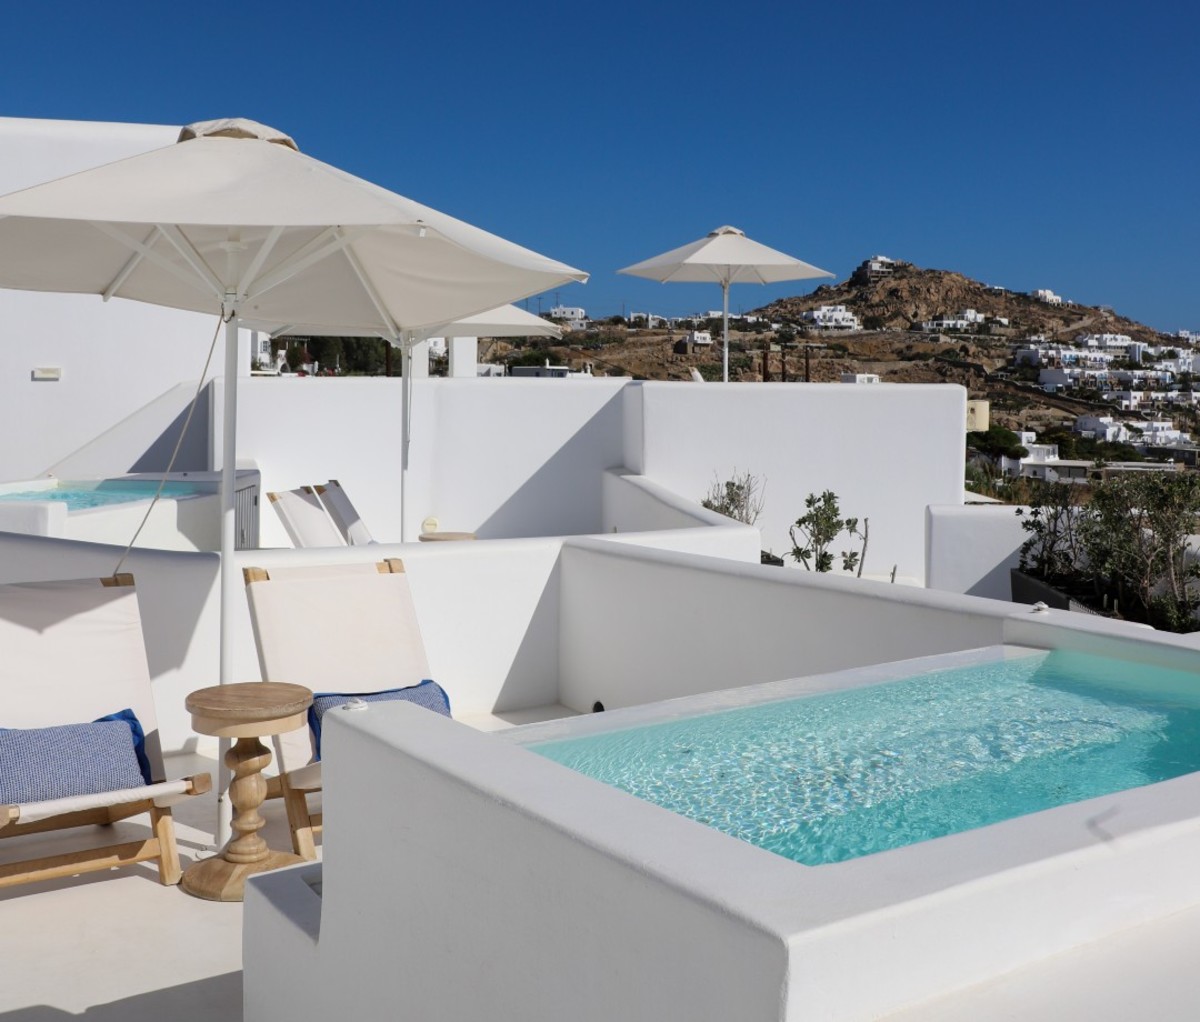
{"x":739,"y":497}
{"x":818,"y":527}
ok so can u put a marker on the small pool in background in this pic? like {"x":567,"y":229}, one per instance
{"x":80,"y":496}
{"x":834,"y":776}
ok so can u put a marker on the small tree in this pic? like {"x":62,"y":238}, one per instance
{"x":1054,"y":547}
{"x":739,"y":497}
{"x":818,"y":527}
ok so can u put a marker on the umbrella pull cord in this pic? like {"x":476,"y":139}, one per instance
{"x":178,"y":444}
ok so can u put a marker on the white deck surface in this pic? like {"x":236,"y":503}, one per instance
{"x":119,"y":947}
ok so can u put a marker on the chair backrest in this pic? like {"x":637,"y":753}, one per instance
{"x":335,"y":628}
{"x":305,"y":518}
{"x":343,"y":513}
{"x":73,"y":651}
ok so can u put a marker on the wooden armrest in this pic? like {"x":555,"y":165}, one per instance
{"x":200,"y":783}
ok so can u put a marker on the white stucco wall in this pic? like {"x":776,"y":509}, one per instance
{"x":638,"y":625}
{"x":518,"y":457}
{"x":969,"y":548}
{"x":606,"y":939}
{"x":887,"y":451}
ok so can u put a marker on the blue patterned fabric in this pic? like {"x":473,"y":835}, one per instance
{"x":38,"y":764}
{"x":428,"y":693}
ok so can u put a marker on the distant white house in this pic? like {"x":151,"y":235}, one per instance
{"x":698,"y":337}
{"x":860,"y":378}
{"x":832,"y":317}
{"x":968,"y":319}
{"x":1047,"y":296}
{"x":1101,"y":427}
{"x":880,"y":266}
{"x":1108,"y":342}
{"x":573,"y":317}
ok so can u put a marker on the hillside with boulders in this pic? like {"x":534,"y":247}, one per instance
{"x":890,"y":306}
{"x":910,"y":295}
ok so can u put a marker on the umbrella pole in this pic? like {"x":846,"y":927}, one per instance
{"x":405,"y":430}
{"x":228,"y":582}
{"x":725,"y":331}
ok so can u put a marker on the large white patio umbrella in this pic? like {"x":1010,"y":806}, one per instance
{"x":235,"y":221}
{"x":725,"y":256}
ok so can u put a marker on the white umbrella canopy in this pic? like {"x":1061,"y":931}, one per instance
{"x":725,"y":256}
{"x":234,"y":220}
{"x":503,"y":321}
{"x":247,"y":220}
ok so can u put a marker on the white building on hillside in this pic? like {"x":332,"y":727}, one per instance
{"x":832,"y":317}
{"x":1101,"y":427}
{"x":1047,"y":296}
{"x":572,"y":317}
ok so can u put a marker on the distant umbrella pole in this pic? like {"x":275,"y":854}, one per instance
{"x":725,"y":331}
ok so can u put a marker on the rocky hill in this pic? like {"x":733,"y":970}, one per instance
{"x":888,"y":307}
{"x":911,"y":295}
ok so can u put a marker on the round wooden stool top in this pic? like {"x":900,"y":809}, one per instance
{"x":444,"y":537}
{"x":249,"y":709}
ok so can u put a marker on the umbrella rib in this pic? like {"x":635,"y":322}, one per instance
{"x":130,"y":265}
{"x":183,"y":245}
{"x":260,"y":257}
{"x":319,"y":248}
{"x":149,"y":254}
{"x":369,"y":287}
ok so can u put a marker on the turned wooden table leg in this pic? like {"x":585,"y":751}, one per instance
{"x":246,"y":760}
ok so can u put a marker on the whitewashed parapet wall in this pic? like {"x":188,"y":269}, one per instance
{"x":887,"y":451}
{"x":508,"y":457}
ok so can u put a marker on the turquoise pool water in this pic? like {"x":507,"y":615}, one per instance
{"x":831,"y":777}
{"x":80,"y":496}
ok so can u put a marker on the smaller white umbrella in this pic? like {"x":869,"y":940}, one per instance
{"x":725,"y":256}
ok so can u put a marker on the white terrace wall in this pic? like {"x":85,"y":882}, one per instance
{"x":969,"y":548}
{"x":114,"y":357}
{"x":642,"y":625}
{"x":513,"y":901}
{"x":886,"y":451}
{"x":526,"y":457}
{"x":516,"y":457}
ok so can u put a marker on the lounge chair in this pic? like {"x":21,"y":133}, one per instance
{"x":343,"y":513}
{"x":304,"y":517}
{"x":72,"y":675}
{"x":350,"y":629}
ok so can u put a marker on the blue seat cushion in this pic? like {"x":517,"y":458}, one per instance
{"x":428,"y":693}
{"x":38,"y":764}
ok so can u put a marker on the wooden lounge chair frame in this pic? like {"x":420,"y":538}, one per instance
{"x":122,"y":676}
{"x":371,"y":641}
{"x":305,"y":518}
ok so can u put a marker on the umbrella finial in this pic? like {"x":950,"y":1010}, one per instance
{"x":235,"y":127}
{"x":726,"y":230}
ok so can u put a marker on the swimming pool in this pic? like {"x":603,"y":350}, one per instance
{"x":80,"y":496}
{"x":111,"y":510}
{"x":829,"y":777}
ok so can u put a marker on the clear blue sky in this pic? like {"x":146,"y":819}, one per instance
{"x":1024,"y":144}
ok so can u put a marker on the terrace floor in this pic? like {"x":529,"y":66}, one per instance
{"x":122,"y":948}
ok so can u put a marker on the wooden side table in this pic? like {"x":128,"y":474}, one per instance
{"x":248,"y":712}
